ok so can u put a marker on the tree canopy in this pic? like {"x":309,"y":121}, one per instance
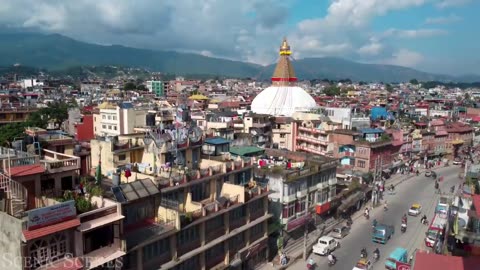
{"x":55,"y":112}
{"x":332,"y":91}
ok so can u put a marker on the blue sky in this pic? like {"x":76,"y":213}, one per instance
{"x":437,"y":36}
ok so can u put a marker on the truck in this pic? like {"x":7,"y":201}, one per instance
{"x":382,"y":233}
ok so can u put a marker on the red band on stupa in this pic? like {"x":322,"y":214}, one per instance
{"x":284,"y":79}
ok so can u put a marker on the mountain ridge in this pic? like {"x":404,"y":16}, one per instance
{"x":55,"y":52}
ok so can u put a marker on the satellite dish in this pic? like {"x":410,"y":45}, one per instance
{"x":195,"y":134}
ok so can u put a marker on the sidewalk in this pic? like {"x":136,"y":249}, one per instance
{"x":294,"y":249}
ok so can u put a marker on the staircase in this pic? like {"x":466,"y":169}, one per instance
{"x":16,"y":196}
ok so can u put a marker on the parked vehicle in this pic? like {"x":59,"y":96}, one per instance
{"x":382,"y":233}
{"x":325,"y":245}
{"x":428,"y":173}
{"x":340,"y":232}
{"x":398,"y":255}
{"x":435,"y":230}
{"x":415,"y":209}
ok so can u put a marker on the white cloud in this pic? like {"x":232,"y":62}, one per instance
{"x":443,"y":20}
{"x":404,"y":57}
{"x":452,"y":3}
{"x":418,"y":33}
{"x":371,"y":49}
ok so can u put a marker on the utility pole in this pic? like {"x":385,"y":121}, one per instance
{"x":380,"y":174}
{"x":374,"y":183}
{"x":305,"y":234}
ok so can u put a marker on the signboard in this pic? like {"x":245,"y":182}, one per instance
{"x":403,"y":266}
{"x":49,"y":215}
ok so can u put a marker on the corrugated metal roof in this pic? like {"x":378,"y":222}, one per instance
{"x":217,"y":141}
{"x":34,"y":234}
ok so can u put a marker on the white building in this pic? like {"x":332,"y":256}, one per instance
{"x":118,"y":119}
{"x":26,"y":83}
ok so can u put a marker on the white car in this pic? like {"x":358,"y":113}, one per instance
{"x":325,"y":245}
{"x":415,"y":210}
{"x":456,"y":162}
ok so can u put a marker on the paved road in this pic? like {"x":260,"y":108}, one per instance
{"x":414,"y":190}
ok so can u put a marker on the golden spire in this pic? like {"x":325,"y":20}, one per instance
{"x":284,"y":74}
{"x":285,"y":48}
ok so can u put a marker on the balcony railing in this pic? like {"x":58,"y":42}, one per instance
{"x":57,"y":162}
{"x":346,"y":154}
{"x":312,"y":140}
{"x":311,"y":130}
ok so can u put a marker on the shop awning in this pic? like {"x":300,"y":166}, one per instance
{"x":62,"y":226}
{"x":351,"y":200}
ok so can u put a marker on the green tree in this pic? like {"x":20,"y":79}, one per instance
{"x":389,"y":87}
{"x":129,"y":86}
{"x":142,"y":87}
{"x":332,"y":91}
{"x":414,"y":81}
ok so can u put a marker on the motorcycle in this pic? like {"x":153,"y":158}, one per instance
{"x":424,"y":222}
{"x":332,"y":262}
{"x":376,"y":257}
{"x":310,"y":266}
{"x":367,"y":216}
{"x":403,"y":228}
{"x":363,"y":254}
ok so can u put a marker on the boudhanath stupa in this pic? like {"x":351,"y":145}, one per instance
{"x":284,"y":97}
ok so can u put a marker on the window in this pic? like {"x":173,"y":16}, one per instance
{"x":135,"y":213}
{"x":114,"y":127}
{"x":114,"y":117}
{"x":257,"y":229}
{"x":256,"y":205}
{"x":122,"y":157}
{"x":300,"y":205}
{"x":200,"y":192}
{"x":104,"y":126}
{"x":109,"y":117}
{"x":238,"y":213}
{"x":215,"y":223}
{"x":109,"y":127}
{"x":282,"y":135}
{"x":289,"y":210}
{"x":188,"y":235}
{"x":104,"y":117}
{"x":49,"y":249}
{"x":214,"y":252}
{"x":156,"y":249}
{"x":361,"y":163}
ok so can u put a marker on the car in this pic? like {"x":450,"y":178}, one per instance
{"x":340,"y":232}
{"x":325,"y":245}
{"x":456,"y":162}
{"x":363,"y":264}
{"x":428,"y":173}
{"x":415,"y":210}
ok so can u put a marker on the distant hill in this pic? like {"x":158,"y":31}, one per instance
{"x":57,"y":52}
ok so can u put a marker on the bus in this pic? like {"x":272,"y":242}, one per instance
{"x":435,"y":229}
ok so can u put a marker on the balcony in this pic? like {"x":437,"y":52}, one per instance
{"x":322,"y":185}
{"x":313,"y":150}
{"x":289,"y":198}
{"x":302,"y":193}
{"x":16,"y":158}
{"x":254,"y":189}
{"x":346,"y":154}
{"x":312,"y":139}
{"x":281,"y":131}
{"x":312,"y":130}
{"x":260,"y":124}
{"x":219,"y":125}
{"x":332,"y":182}
{"x":56,"y":162}
{"x":237,"y":223}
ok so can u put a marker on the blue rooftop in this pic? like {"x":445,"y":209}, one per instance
{"x":372,"y":130}
{"x":126,"y":105}
{"x":217,"y":141}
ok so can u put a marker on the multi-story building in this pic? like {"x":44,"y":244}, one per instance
{"x":460,"y":136}
{"x":18,"y":114}
{"x":313,"y":136}
{"x":259,"y":127}
{"x":301,"y":183}
{"x":282,"y":133}
{"x":220,"y":124}
{"x":156,"y":87}
{"x":118,"y":119}
{"x":185,"y":209}
{"x":359,"y":150}
{"x":47,"y":223}
{"x":347,"y":118}
{"x":80,"y":124}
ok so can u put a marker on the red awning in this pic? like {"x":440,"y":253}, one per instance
{"x":51,"y":229}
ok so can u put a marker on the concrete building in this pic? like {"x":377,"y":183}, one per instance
{"x":44,"y":224}
{"x":199,"y":210}
{"x":283,"y":133}
{"x":301,"y":184}
{"x":259,"y":127}
{"x":156,"y":87}
{"x":118,"y":119}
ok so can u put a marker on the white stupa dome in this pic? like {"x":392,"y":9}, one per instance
{"x":283,"y":98}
